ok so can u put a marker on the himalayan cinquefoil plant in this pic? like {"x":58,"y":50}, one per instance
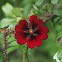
{"x":31,"y":31}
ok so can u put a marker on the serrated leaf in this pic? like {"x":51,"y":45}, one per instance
{"x":58,"y":12}
{"x":7,"y":8}
{"x":54,"y":1}
{"x":6,"y":21}
{"x":38,"y":2}
{"x":16,"y":12}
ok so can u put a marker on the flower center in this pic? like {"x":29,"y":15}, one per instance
{"x":31,"y":31}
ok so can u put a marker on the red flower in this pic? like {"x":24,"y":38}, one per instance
{"x":32,"y":32}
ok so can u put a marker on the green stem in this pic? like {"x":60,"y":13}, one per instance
{"x":23,"y":56}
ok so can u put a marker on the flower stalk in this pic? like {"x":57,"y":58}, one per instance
{"x":23,"y":56}
{"x":27,"y":54}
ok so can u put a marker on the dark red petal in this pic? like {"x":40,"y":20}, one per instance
{"x":23,"y":25}
{"x":22,"y":40}
{"x":31,"y":43}
{"x":38,"y":42}
{"x":17,"y":28}
{"x":44,"y":29}
{"x":35,"y":41}
{"x":20,"y":34}
{"x":39,"y":22}
{"x":33,"y":18}
{"x":38,"y":31}
{"x":17,"y":35}
{"x":43,"y":36}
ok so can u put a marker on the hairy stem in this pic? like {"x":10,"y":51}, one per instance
{"x":5,"y":47}
{"x":49,"y":18}
{"x":27,"y":54}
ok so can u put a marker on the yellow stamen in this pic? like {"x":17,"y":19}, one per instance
{"x":31,"y":31}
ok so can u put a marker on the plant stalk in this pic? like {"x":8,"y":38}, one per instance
{"x":23,"y":56}
{"x":27,"y":54}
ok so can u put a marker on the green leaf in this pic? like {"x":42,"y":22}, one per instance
{"x":6,"y":21}
{"x":56,"y":19}
{"x":13,"y":43}
{"x":12,"y":26}
{"x":12,"y":38}
{"x":49,"y":25}
{"x":19,"y":18}
{"x":16,"y":12}
{"x":34,"y":6}
{"x":56,"y":57}
{"x":58,"y":12}
{"x":12,"y":49}
{"x":50,"y":8}
{"x":50,"y":44}
{"x":59,"y":54}
{"x":59,"y":35}
{"x":60,"y":21}
{"x":1,"y":39}
{"x":7,"y":8}
{"x":38,"y":2}
{"x":58,"y":28}
{"x":54,"y":1}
